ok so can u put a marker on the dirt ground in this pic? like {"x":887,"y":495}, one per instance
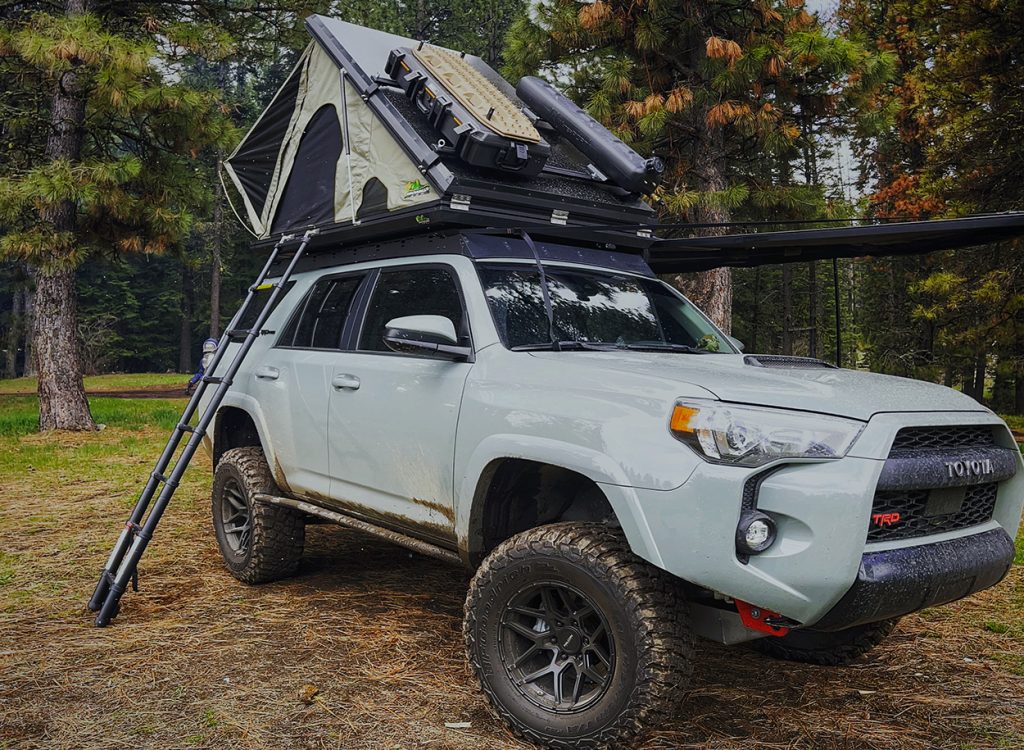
{"x":363,"y":650}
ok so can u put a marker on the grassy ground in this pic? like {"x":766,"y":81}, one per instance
{"x":96,"y":383}
{"x":197,"y":659}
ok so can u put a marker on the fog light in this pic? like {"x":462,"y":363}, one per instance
{"x":755,"y":534}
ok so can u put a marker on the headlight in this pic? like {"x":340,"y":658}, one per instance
{"x":752,"y":436}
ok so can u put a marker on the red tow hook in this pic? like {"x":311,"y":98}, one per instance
{"x":760,"y":619}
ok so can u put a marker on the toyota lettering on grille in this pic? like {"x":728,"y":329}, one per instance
{"x":977,"y":468}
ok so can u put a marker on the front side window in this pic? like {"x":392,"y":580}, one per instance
{"x":322,"y":318}
{"x":410,"y":291}
{"x":595,"y":308}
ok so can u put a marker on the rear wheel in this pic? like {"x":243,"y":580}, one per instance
{"x":259,"y":542}
{"x":576,"y":641}
{"x":827,"y":649}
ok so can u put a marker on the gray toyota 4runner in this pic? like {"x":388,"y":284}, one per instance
{"x":618,"y":474}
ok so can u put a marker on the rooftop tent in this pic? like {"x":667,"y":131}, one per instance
{"x":351,"y":141}
{"x":318,"y":155}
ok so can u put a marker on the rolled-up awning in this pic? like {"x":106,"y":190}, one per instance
{"x":682,"y":255}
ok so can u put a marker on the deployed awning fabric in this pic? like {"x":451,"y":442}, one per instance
{"x":690,"y":254}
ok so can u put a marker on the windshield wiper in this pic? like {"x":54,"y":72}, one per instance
{"x":564,"y":346}
{"x":665,"y":347}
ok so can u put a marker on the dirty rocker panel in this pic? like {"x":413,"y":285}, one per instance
{"x":900,"y":581}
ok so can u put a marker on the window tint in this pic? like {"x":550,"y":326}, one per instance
{"x":412,"y":291}
{"x":322,"y":318}
{"x":252,"y":310}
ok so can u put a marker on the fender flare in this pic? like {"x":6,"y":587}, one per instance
{"x":246,"y":403}
{"x":596,"y":466}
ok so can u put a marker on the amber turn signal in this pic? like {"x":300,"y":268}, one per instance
{"x":682,"y":416}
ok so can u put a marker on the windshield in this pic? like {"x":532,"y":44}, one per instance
{"x":595,"y":308}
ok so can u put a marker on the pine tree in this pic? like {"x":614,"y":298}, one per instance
{"x":714,"y":87}
{"x":946,"y":140}
{"x":115,"y":138}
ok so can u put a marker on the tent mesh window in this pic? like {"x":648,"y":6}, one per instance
{"x":308,"y":197}
{"x":256,"y":157}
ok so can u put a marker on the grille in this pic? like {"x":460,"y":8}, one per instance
{"x":902,"y":514}
{"x":911,"y":439}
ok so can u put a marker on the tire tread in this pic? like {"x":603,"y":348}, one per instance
{"x":666,"y":655}
{"x":278,"y":534}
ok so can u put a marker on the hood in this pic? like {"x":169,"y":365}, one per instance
{"x":844,"y":393}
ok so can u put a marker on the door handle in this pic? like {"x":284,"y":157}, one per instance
{"x":344,"y":381}
{"x":267,"y":373}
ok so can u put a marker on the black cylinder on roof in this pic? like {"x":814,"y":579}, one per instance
{"x":618,"y":162}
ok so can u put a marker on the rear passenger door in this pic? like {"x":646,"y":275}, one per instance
{"x":393,"y":416}
{"x":293,"y":383}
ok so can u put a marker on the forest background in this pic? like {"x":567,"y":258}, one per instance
{"x":119,"y":251}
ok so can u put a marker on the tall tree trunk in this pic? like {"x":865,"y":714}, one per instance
{"x":812,"y":307}
{"x":787,"y":309}
{"x":709,"y":290}
{"x":29,"y":359}
{"x":979,"y":377}
{"x":712,"y":290}
{"x":1018,"y":375}
{"x":188,"y":294}
{"x":755,"y":323}
{"x":218,"y":223}
{"x":14,"y":335}
{"x":215,"y":258}
{"x":62,"y":402}
{"x":1001,"y":397}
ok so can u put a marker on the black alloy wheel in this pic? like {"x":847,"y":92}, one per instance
{"x":258,"y":541}
{"x":577,"y":642}
{"x":557,"y":647}
{"x":235,"y":518}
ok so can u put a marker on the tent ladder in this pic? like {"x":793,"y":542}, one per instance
{"x":122,"y":565}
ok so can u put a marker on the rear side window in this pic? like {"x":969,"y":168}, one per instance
{"x":259,"y":299}
{"x":411,"y":291}
{"x":320,"y":322}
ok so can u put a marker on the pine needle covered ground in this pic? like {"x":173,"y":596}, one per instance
{"x":363,"y":648}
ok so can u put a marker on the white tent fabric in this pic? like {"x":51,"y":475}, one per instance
{"x":371,"y":151}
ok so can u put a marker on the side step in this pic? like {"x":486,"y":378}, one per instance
{"x":402,"y":540}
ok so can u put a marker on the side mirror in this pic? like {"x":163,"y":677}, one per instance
{"x":736,"y":343}
{"x":425,"y":335}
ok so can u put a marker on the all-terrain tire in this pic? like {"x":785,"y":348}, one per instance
{"x":645,"y":621}
{"x":273,"y":548}
{"x":827,"y":649}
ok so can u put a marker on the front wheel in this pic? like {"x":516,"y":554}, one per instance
{"x":824,"y":648}
{"x":575,"y":640}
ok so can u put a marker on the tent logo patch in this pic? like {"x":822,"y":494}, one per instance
{"x":414,"y":189}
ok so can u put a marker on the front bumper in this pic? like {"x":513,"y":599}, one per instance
{"x":822,"y":510}
{"x":899,"y":581}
